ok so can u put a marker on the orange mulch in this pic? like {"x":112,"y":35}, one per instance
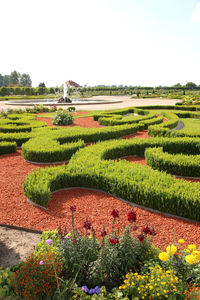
{"x":85,"y":122}
{"x":15,"y":210}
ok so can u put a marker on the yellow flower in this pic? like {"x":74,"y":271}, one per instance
{"x":196,"y":253}
{"x":164,"y":256}
{"x":191,"y":259}
{"x":181,"y":241}
{"x":192,"y":247}
{"x":171,"y":249}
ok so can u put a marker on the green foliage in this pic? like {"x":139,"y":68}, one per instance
{"x":49,"y":150}
{"x":158,"y":283}
{"x":63,"y":117}
{"x":164,"y":128}
{"x":6,"y":290}
{"x":93,"y":167}
{"x":8,"y":147}
{"x":178,"y":164}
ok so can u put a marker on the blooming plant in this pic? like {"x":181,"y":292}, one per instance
{"x":63,"y":117}
{"x":184,"y":262}
{"x":158,"y":283}
{"x":36,"y":278}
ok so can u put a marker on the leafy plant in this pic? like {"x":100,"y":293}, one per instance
{"x":63,"y":118}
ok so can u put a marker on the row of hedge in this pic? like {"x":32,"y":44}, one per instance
{"x":164,"y":128}
{"x":177,"y":106}
{"x":179,"y":164}
{"x":19,"y":123}
{"x":115,"y":120}
{"x":51,"y":144}
{"x":91,"y":167}
{"x":7,"y":147}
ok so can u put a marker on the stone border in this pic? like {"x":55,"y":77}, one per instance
{"x":123,"y":200}
{"x":21,"y":228}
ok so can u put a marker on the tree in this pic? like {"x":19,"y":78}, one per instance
{"x":1,"y":80}
{"x":25,"y":80}
{"x":14,"y":78}
{"x":42,"y":84}
{"x":6,"y":80}
{"x":190,"y":86}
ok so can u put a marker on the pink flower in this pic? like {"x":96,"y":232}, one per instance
{"x":41,"y":263}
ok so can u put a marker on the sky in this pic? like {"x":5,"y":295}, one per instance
{"x":93,"y":42}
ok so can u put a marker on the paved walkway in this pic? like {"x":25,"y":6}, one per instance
{"x":126,"y":102}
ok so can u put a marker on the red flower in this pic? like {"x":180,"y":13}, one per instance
{"x":73,"y":208}
{"x":131,"y":216}
{"x":134,"y":227}
{"x":103,"y":233}
{"x":115,"y":213}
{"x":87,"y":224}
{"x":141,"y":237}
{"x":153,"y":231}
{"x":147,"y":230}
{"x":114,"y":241}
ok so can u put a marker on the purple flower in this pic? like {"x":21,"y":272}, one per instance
{"x":49,"y":242}
{"x":41,"y":263}
{"x":97,"y":289}
{"x":85,"y":289}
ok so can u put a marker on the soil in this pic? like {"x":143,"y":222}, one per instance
{"x":16,"y":245}
{"x":15,"y":210}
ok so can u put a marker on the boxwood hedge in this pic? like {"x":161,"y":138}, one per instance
{"x":179,"y":164}
{"x":7,"y":147}
{"x":92,"y":167}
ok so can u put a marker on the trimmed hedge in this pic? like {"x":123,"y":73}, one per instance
{"x":50,"y":145}
{"x":20,"y":123}
{"x":6,"y":147}
{"x":164,"y":128}
{"x":18,"y":138}
{"x":179,"y":164}
{"x":48,"y":150}
{"x":91,"y":167}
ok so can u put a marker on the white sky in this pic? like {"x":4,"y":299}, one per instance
{"x":94,"y":42}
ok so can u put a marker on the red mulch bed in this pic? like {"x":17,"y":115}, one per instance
{"x":95,"y":205}
{"x":85,"y":122}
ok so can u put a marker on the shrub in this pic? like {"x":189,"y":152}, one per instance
{"x":158,"y":283}
{"x":37,"y":277}
{"x":91,"y":262}
{"x":63,"y":118}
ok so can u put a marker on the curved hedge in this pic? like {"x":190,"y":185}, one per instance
{"x":49,"y":150}
{"x":179,"y":164}
{"x":50,"y":145}
{"x":164,"y":128}
{"x":92,"y":167}
{"x":19,"y":123}
{"x":7,"y":147}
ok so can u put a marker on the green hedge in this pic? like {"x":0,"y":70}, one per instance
{"x":19,"y":123}
{"x":48,"y":150}
{"x":178,"y":164}
{"x":7,"y":147}
{"x":92,"y":167}
{"x":50,"y":145}
{"x":164,"y":128}
{"x":18,"y":138}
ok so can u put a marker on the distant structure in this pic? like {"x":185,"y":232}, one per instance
{"x":72,"y":84}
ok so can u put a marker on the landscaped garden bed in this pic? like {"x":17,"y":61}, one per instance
{"x":100,"y":167}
